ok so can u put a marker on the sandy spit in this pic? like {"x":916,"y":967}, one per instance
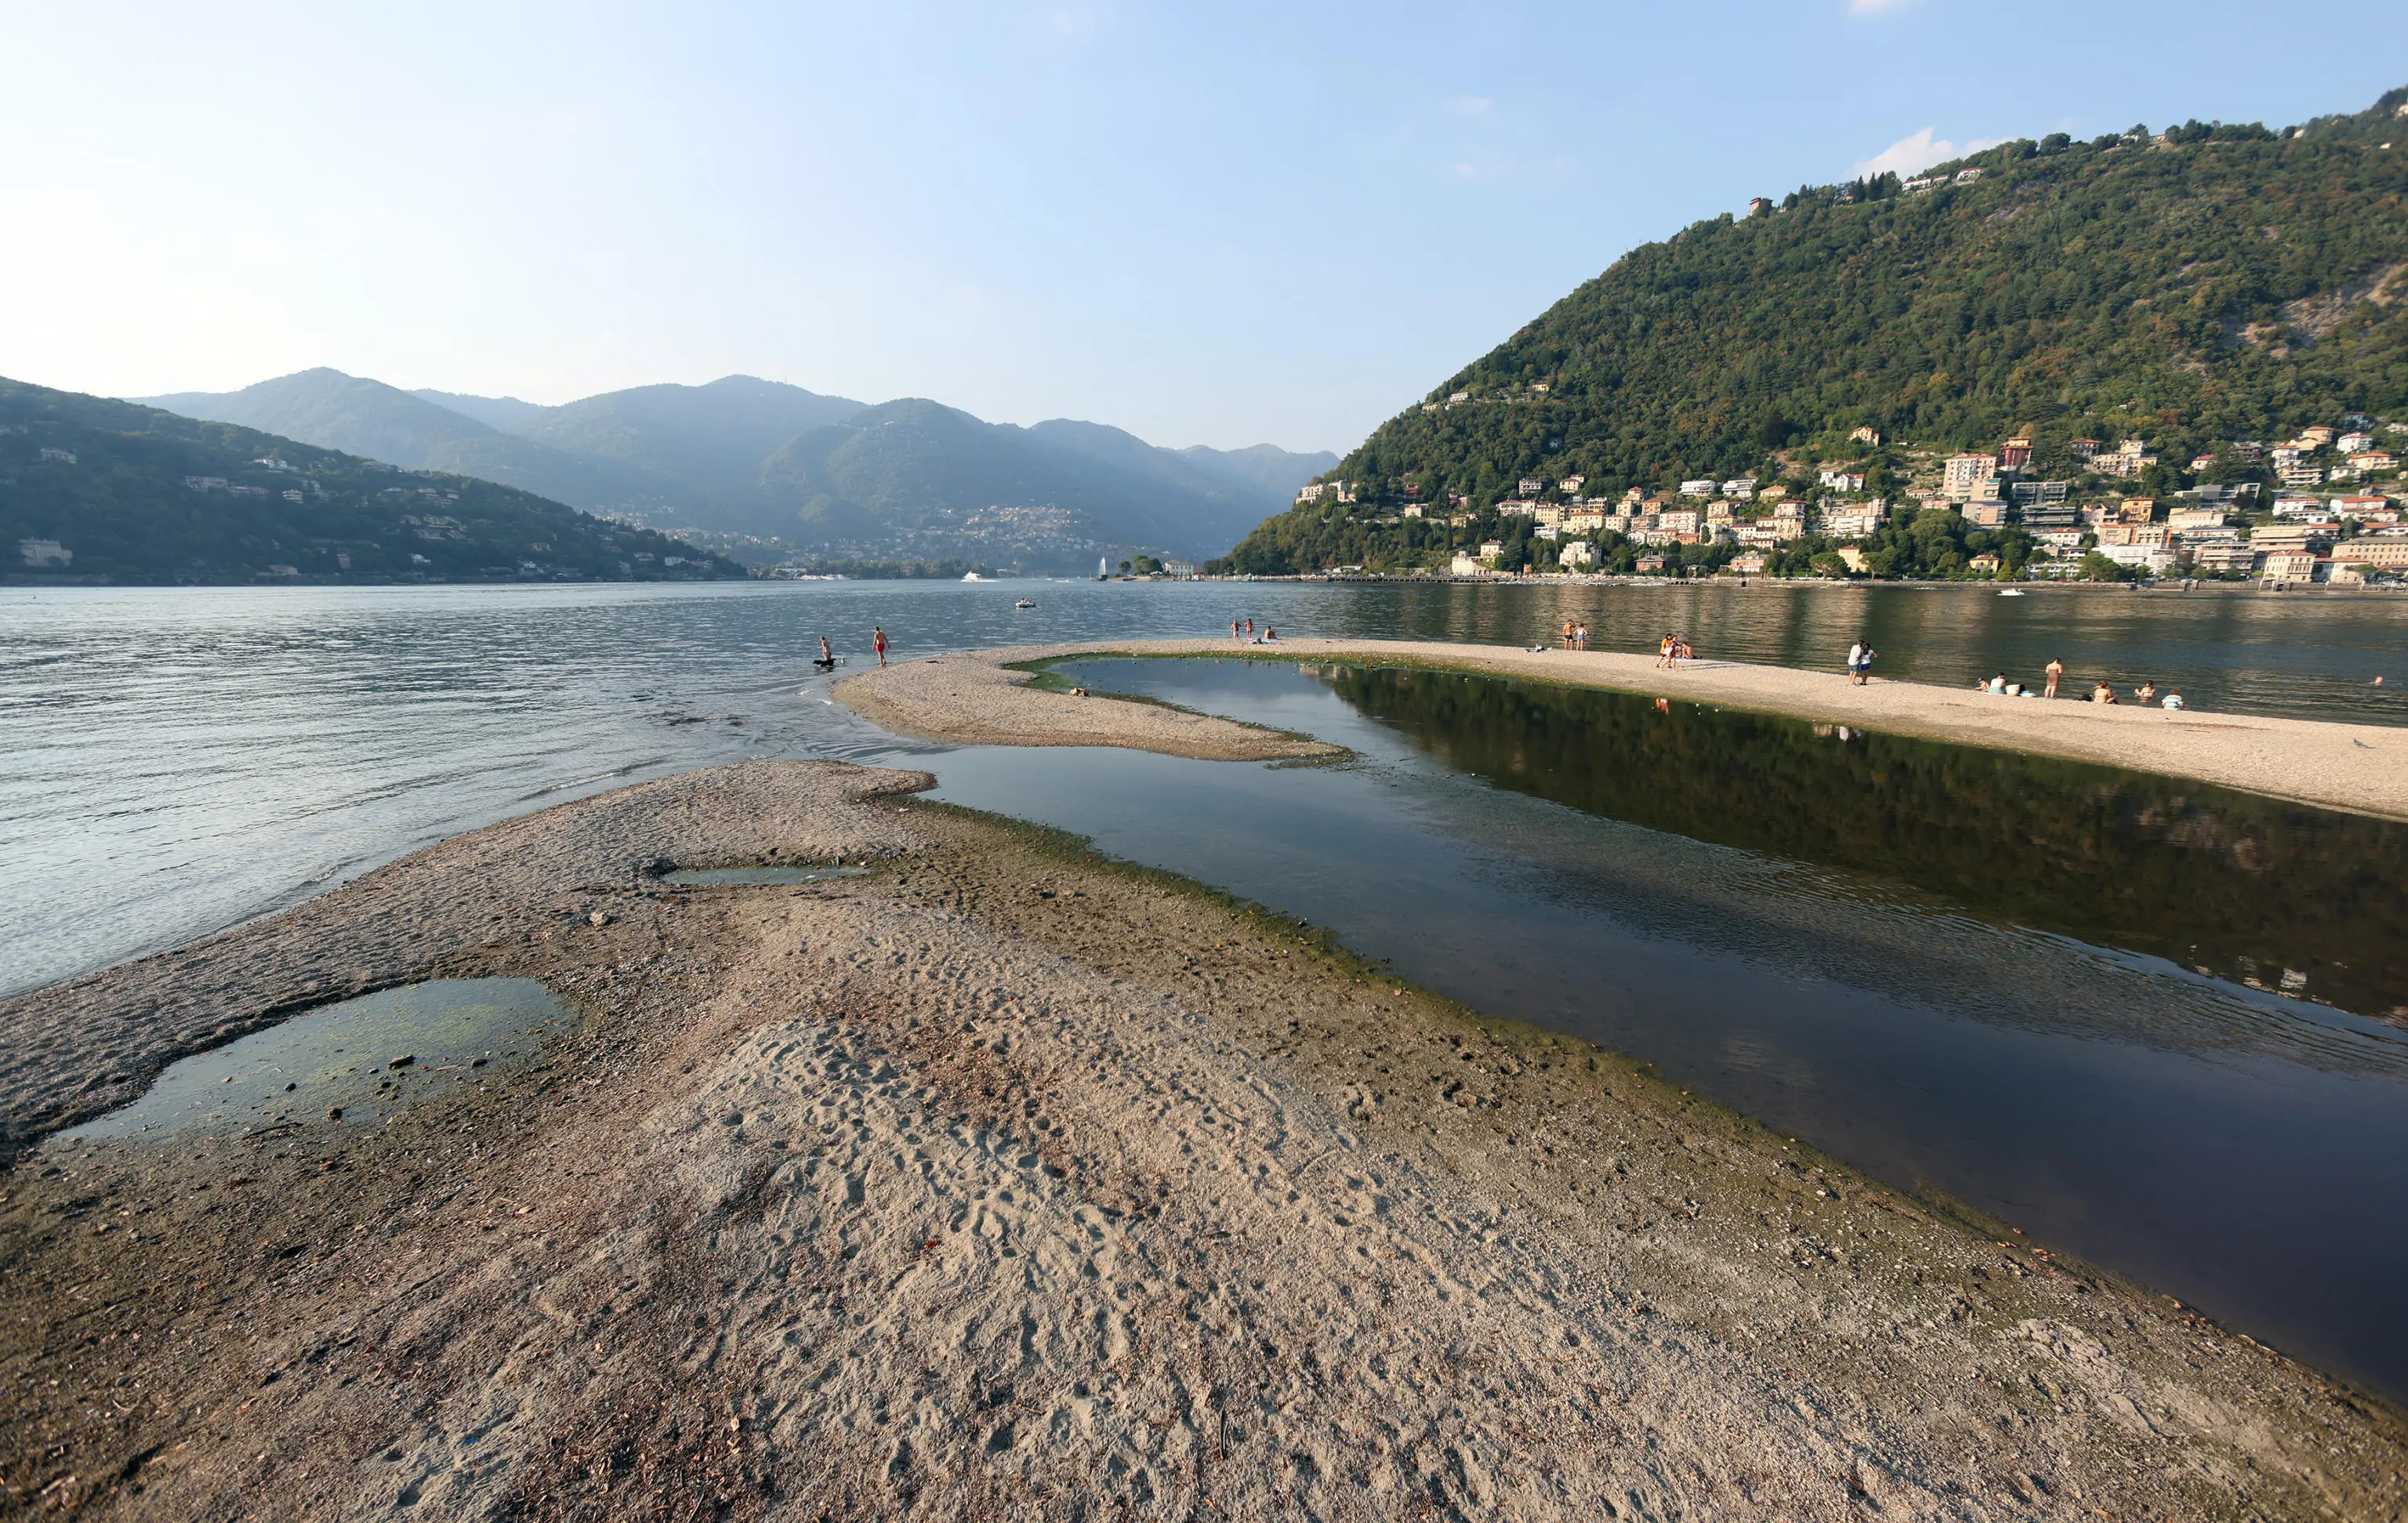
{"x":977,"y":700}
{"x":973,"y":698}
{"x":1007,"y":1182}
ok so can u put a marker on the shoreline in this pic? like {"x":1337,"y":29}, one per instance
{"x":1010,"y":1179}
{"x":978,"y":698}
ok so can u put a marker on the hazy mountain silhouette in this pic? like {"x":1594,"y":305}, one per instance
{"x":747,"y":456}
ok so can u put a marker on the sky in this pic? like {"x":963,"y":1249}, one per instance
{"x":1223,"y":223}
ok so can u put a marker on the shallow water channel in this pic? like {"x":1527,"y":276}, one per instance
{"x":2134,"y":1017}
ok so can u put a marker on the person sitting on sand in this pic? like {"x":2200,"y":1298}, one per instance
{"x":2171,"y":700}
{"x":2103,"y":692}
{"x":1271,"y":637}
{"x":1997,"y":684}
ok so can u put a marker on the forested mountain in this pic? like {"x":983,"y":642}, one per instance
{"x":713,"y":436}
{"x":363,"y":417}
{"x":926,"y":481}
{"x":493,"y":412}
{"x":94,"y":489}
{"x":747,"y":457}
{"x":2207,"y":284}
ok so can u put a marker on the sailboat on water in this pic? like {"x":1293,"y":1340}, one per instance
{"x":1103,"y":567}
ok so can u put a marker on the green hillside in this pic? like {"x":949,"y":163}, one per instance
{"x":2210,"y":284}
{"x":363,"y":417}
{"x":130,"y":494}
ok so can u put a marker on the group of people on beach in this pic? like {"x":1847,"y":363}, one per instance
{"x":1575,"y":636}
{"x":1243,"y":629}
{"x":1671,"y":650}
{"x":2102,"y":691}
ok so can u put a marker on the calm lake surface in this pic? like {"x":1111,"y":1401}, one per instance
{"x":2024,"y":984}
{"x":173,"y":761}
{"x":2016,"y":984}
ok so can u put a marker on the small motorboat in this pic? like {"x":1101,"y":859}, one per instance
{"x":1025,"y":602}
{"x":2013,"y":591}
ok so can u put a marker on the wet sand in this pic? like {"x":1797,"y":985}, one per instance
{"x":1005,"y":1181}
{"x":977,"y":698}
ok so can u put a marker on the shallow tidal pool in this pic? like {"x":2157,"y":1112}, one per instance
{"x":344,"y":1063}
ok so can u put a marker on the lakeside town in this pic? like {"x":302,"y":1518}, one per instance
{"x":2319,"y":507}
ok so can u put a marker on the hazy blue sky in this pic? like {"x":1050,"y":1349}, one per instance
{"x":1216,"y":224}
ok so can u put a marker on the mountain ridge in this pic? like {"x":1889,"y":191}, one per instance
{"x":94,"y":489}
{"x":713,"y":459}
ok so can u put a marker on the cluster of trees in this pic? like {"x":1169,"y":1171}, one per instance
{"x":107,"y":481}
{"x":1912,"y":542}
{"x":2221,"y":282}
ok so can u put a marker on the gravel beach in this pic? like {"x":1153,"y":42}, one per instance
{"x":977,"y":697}
{"x":1007,"y":1181}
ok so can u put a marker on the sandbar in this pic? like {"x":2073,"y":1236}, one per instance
{"x":979,"y":697}
{"x":1009,"y":1181}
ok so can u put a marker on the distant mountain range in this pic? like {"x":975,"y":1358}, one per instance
{"x":97,"y":490}
{"x":744,"y":458}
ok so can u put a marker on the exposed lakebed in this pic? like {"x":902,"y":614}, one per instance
{"x":362,"y":1058}
{"x":2053,"y":992}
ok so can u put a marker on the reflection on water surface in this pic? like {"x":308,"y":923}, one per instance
{"x":2228,"y":884}
{"x":1968,"y":973}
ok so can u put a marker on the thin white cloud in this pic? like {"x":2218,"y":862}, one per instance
{"x":1920,"y":151}
{"x":1876,"y":7}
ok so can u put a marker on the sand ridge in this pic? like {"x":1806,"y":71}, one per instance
{"x":1011,"y":1182}
{"x":976,"y":698}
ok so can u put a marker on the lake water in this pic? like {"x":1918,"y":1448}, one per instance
{"x":173,"y":761}
{"x":2019,"y":984}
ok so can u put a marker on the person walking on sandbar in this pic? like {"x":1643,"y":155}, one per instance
{"x":878,"y":638}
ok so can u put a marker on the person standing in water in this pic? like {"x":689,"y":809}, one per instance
{"x":2055,"y":670}
{"x":827,"y":657}
{"x":878,"y":638}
